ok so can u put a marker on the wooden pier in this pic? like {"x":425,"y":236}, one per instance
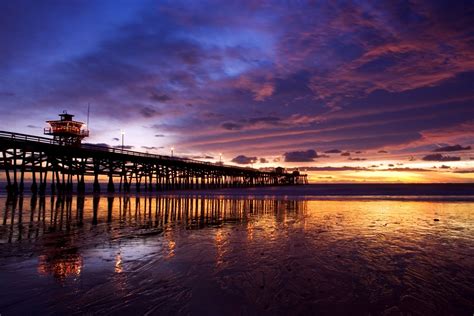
{"x":43,"y":163}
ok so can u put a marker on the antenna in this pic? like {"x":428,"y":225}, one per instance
{"x":88,"y":112}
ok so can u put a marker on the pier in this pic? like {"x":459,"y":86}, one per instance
{"x":65,"y":167}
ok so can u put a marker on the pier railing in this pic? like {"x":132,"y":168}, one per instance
{"x":117,"y":150}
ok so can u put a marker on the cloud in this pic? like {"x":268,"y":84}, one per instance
{"x":330,"y":168}
{"x":445,"y":167}
{"x":152,"y":147}
{"x":32,"y":126}
{"x":333,"y":151}
{"x":382,"y":152}
{"x":263,"y":160}
{"x":202,"y":157}
{"x":346,"y":154}
{"x":254,"y":122}
{"x":463,"y":171}
{"x":406,"y":169}
{"x":116,"y":139}
{"x":159,"y":135}
{"x":440,"y":157}
{"x":357,"y":159}
{"x":452,"y":148}
{"x":300,"y":156}
{"x":264,"y":91}
{"x":354,"y":168}
{"x":159,"y":97}
{"x":244,"y":160}
{"x":231,"y":126}
{"x":149,"y":112}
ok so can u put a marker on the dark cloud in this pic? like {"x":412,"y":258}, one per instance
{"x":32,"y":126}
{"x":151,"y":147}
{"x":440,"y":157}
{"x":244,"y":160}
{"x":115,"y":139}
{"x":149,"y":112}
{"x":330,"y":168}
{"x":346,"y":154}
{"x":445,"y":167}
{"x":406,"y":169}
{"x":357,"y":159}
{"x":333,"y":151}
{"x":463,"y":171}
{"x":348,"y":168}
{"x":202,"y":157}
{"x":159,"y":97}
{"x":452,"y":148}
{"x":300,"y":156}
{"x":382,"y":152}
{"x":231,"y":126}
{"x":251,"y":122}
{"x":159,"y":135}
{"x":263,"y":160}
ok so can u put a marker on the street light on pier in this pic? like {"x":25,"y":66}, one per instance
{"x":122,"y":132}
{"x":172,"y":151}
{"x":220,"y":158}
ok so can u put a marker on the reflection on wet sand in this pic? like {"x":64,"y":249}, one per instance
{"x":60,"y":265}
{"x":66,"y":213}
{"x":106,"y":254}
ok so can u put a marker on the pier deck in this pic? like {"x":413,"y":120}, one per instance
{"x":41,"y":161}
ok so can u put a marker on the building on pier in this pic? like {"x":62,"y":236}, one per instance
{"x":66,"y":131}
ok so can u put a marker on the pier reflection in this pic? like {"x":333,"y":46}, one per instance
{"x":27,"y":219}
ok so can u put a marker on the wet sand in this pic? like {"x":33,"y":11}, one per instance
{"x":235,"y":255}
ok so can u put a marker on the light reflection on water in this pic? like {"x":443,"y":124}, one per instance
{"x":235,"y":256}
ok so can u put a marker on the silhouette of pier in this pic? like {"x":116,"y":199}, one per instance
{"x":64,"y":167}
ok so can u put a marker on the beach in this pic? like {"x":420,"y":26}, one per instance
{"x":214,"y":255}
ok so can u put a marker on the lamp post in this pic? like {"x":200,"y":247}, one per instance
{"x":122,"y":132}
{"x":220,"y":158}
{"x":172,"y":150}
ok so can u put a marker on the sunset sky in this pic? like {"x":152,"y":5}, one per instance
{"x":346,"y":90}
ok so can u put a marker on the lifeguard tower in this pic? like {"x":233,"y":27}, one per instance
{"x":66,"y":131}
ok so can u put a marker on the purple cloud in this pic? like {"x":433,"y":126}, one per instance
{"x":452,"y":148}
{"x":300,"y":156}
{"x":440,"y":157}
{"x":244,"y":160}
